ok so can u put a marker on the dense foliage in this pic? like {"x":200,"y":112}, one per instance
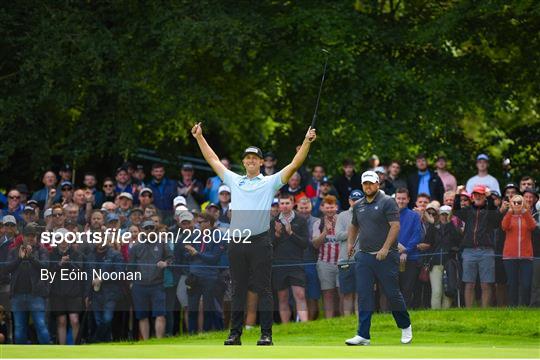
{"x":88,"y":81}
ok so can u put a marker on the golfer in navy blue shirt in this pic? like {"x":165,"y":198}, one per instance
{"x":375,"y":225}
{"x":250,"y":256}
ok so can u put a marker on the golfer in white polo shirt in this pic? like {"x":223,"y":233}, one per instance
{"x":252,"y":195}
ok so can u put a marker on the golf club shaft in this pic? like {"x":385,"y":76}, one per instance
{"x":314,"y":120}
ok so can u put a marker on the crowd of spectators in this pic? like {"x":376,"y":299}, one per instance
{"x":458,"y":245}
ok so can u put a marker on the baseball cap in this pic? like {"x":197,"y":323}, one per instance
{"x":275,"y":202}
{"x":212,"y":205}
{"x":140,"y":167}
{"x":482,"y":157}
{"x":47,"y":213}
{"x":137,"y":209}
{"x":370,"y":176}
{"x":9,"y":219}
{"x":445,"y":209}
{"x":270,"y":155}
{"x":187,"y":166}
{"x":185,"y":216}
{"x":148,"y":190}
{"x":464,"y":193}
{"x":223,"y":188}
{"x":66,"y":167}
{"x":479,"y":189}
{"x":126,"y":195}
{"x":32,"y":202}
{"x":374,"y":157}
{"x":379,"y":170}
{"x":147,"y":224}
{"x":70,"y":222}
{"x":179,"y":200}
{"x":28,"y":208}
{"x":253,"y":150}
{"x":31,"y":229}
{"x":111,"y":217}
{"x":496,"y":193}
{"x":326,"y":180}
{"x":66,"y":183}
{"x":434,"y":205}
{"x":121,"y":168}
{"x":530,"y":191}
{"x":356,"y":194}
{"x":510,"y":186}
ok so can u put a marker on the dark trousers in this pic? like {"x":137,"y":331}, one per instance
{"x":369,"y":269}
{"x":519,"y":278}
{"x":205,"y":288}
{"x":407,"y":282}
{"x":251,"y":264}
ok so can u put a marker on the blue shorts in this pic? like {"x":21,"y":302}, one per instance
{"x":148,"y":300}
{"x":478,"y":262}
{"x":347,"y":280}
{"x":313,"y":286}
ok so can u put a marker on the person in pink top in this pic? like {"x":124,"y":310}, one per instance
{"x":449,"y":180}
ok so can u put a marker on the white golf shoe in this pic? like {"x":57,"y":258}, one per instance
{"x":357,"y":340}
{"x":406,"y":335}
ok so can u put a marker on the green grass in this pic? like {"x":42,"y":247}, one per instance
{"x":496,"y":333}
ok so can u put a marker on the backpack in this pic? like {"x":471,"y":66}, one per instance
{"x":451,"y":278}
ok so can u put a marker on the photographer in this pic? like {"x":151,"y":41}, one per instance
{"x":203,"y":276}
{"x":66,"y":295}
{"x":28,"y":292}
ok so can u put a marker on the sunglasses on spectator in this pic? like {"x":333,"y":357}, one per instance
{"x":108,"y":185}
{"x":57,"y":215}
{"x":67,"y":188}
{"x":14,"y":197}
{"x":518,"y":202}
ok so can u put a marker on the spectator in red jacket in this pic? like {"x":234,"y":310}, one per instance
{"x":518,"y":225}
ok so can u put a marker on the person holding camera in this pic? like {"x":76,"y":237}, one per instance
{"x":66,"y":295}
{"x":518,"y":225}
{"x":202,"y":279}
{"x":28,"y":291}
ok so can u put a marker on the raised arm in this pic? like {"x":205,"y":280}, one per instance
{"x":300,"y":156}
{"x":209,"y":154}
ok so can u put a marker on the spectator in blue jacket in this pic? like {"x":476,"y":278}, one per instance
{"x":163,"y":189}
{"x":211,"y":192}
{"x":203,"y":276}
{"x":410,"y":234}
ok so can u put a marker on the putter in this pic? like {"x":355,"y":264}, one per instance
{"x":314,"y":120}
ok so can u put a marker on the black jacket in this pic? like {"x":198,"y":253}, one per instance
{"x":36,"y":261}
{"x":68,"y":288}
{"x":290,"y":248}
{"x":344,"y":187}
{"x":480,"y":223}
{"x":4,"y":254}
{"x":444,"y":239}
{"x":112,"y":261}
{"x":436,"y":187}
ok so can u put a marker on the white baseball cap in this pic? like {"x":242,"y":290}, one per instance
{"x":370,"y":176}
{"x":9,"y":219}
{"x":126,"y":195}
{"x":179,"y":200}
{"x":223,"y":188}
{"x":445,"y":209}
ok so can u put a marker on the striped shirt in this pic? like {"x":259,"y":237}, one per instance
{"x":329,"y":250}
